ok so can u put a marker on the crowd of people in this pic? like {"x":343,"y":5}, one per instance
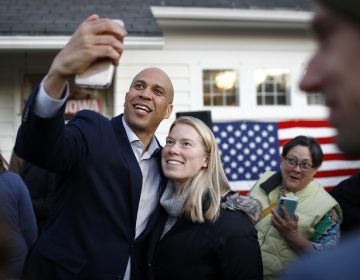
{"x":114,"y":204}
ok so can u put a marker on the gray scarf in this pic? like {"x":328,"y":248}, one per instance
{"x":172,"y":204}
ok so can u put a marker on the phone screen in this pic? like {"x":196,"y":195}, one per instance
{"x":289,"y":204}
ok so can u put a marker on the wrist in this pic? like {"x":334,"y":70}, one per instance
{"x":291,"y":236}
{"x":54,"y":84}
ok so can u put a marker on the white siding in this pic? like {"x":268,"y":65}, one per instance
{"x":12,"y":68}
{"x":186,"y":54}
{"x":7,"y":108}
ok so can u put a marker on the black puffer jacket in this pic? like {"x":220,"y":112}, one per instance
{"x":225,"y":249}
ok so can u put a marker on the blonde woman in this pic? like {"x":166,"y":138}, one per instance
{"x":207,"y":230}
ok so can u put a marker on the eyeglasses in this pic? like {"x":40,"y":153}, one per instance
{"x":303,"y":165}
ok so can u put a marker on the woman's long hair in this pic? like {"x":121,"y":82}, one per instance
{"x":208,"y":186}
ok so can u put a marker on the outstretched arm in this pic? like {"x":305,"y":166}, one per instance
{"x":95,"y":38}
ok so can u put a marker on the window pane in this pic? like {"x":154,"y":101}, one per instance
{"x":281,"y":100}
{"x":269,"y":100}
{"x":218,"y":100}
{"x":207,"y":99}
{"x":282,"y":86}
{"x":269,"y":87}
{"x":206,"y":89}
{"x":272,"y":86}
{"x":230,"y":100}
{"x":206,"y":75}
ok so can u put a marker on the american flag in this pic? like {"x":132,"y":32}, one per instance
{"x":250,"y":148}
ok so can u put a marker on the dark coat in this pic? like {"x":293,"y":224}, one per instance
{"x":225,"y":249}
{"x":91,"y":229}
{"x":41,"y":184}
{"x":347,"y":194}
{"x":17,"y":213}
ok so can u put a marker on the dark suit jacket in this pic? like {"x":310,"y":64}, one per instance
{"x":41,"y":184}
{"x":91,"y":229}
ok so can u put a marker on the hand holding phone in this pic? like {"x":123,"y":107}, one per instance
{"x":289,"y":203}
{"x":99,"y":74}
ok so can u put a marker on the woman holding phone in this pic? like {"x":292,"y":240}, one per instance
{"x":315,"y":223}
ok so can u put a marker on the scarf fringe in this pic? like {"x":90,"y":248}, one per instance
{"x":249,"y":205}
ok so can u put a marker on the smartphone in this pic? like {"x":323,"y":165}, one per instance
{"x":289,"y":203}
{"x":99,"y":74}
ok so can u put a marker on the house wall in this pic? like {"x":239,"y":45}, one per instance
{"x":184,"y":55}
{"x":14,"y":66}
{"x":8,"y":88}
{"x":187,"y":52}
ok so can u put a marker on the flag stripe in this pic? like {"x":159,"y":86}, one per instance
{"x":322,"y":132}
{"x":332,"y":173}
{"x":248,"y":149}
{"x":321,"y":140}
{"x":339,"y":164}
{"x":304,"y":123}
{"x":339,"y":157}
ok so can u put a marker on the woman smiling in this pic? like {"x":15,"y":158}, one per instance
{"x":207,"y":231}
{"x":315,"y":225}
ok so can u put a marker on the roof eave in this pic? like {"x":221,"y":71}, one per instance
{"x":58,"y":42}
{"x":219,"y":17}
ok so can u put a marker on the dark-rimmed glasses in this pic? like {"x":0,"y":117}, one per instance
{"x":303,"y":165}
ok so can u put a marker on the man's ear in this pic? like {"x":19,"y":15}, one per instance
{"x":125,"y":97}
{"x":169,"y":110}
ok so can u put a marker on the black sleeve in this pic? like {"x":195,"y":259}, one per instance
{"x":347,"y":194}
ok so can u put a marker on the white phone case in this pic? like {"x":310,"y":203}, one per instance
{"x":99,"y":74}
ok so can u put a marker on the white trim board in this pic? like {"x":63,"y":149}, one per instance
{"x":190,"y":16}
{"x":58,"y":42}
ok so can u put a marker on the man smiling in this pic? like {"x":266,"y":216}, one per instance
{"x":108,"y":197}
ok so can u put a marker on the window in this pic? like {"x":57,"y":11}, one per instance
{"x":315,"y":99}
{"x":220,"y":88}
{"x":272,"y":86}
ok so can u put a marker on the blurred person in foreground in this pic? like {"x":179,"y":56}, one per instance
{"x":207,"y":231}
{"x":41,"y":184}
{"x":334,"y":70}
{"x":347,"y":194}
{"x":4,"y":246}
{"x":109,"y":170}
{"x":18,"y":221}
{"x":316,"y":223}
